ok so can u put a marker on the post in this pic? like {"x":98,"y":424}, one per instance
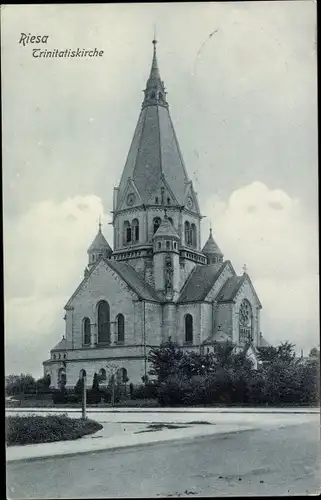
{"x":84,"y":394}
{"x":113,"y":390}
{"x":144,"y":326}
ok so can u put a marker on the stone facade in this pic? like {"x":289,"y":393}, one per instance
{"x":156,"y":282}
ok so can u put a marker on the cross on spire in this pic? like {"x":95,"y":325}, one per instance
{"x":244,"y":269}
{"x":99,"y":224}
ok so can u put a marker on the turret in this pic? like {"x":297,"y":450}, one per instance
{"x":166,"y":259}
{"x":212,"y":251}
{"x":99,"y":248}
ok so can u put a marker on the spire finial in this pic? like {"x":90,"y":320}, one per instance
{"x":210,"y":229}
{"x":165,"y":214}
{"x":154,"y":39}
{"x":99,"y":224}
{"x":244,"y":269}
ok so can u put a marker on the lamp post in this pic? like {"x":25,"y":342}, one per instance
{"x":84,"y":394}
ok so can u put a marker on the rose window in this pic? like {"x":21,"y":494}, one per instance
{"x":245,"y":321}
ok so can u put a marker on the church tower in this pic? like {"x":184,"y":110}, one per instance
{"x":154,"y":179}
{"x":166,"y":260}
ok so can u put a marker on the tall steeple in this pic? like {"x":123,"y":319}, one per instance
{"x":154,"y":153}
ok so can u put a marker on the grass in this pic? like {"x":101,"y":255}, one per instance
{"x":47,"y":429}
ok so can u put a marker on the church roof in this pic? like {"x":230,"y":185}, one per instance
{"x":263,"y":342}
{"x":200,"y":282}
{"x":100,"y":242}
{"x":62,"y":345}
{"x":166,"y":229}
{"x":130,"y":276}
{"x":219,"y":336}
{"x":135,"y":281}
{"x":230,"y":288}
{"x":154,"y":151}
{"x":211,"y":247}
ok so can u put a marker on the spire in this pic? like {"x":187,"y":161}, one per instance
{"x":155,"y":91}
{"x":154,"y":71}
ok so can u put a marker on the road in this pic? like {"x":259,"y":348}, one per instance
{"x":275,"y":461}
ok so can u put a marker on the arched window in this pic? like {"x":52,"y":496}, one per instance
{"x":168,"y":245}
{"x":122,"y":375}
{"x":156,"y":200}
{"x":135,"y":230}
{"x":62,"y":378}
{"x":102,"y":375}
{"x":127,"y":232}
{"x":245,"y":321}
{"x":189,"y":328}
{"x":187,"y":233}
{"x":82,"y":373}
{"x":103,"y":322}
{"x":86,"y":331}
{"x":193,"y":236}
{"x":120,"y":328}
{"x":156,"y":223}
{"x":168,"y":201}
{"x":159,"y":245}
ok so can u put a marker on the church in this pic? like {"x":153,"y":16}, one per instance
{"x":156,"y":282}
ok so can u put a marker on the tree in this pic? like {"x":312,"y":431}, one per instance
{"x":79,"y":387}
{"x":165,"y":360}
{"x":285,"y":352}
{"x":95,"y":386}
{"x":20,"y":384}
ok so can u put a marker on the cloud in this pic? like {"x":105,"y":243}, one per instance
{"x":270,"y":232}
{"x":45,"y":255}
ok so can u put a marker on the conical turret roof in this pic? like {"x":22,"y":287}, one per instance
{"x":99,"y":243}
{"x":166,"y":229}
{"x":211,"y":247}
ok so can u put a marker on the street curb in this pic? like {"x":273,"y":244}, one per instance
{"x":126,"y":410}
{"x":132,"y":445}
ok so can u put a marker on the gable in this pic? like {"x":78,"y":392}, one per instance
{"x":226,"y":273}
{"x":237,"y":286}
{"x":112,"y":274}
{"x":101,"y":279}
{"x":245,"y":290}
{"x":162,"y":195}
{"x":132,"y":192}
{"x":190,"y":199}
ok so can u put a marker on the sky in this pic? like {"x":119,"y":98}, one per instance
{"x":242,"y":87}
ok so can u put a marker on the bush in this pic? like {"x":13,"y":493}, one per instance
{"x":144,"y":391}
{"x":34,"y":429}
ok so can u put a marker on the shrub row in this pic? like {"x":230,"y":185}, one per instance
{"x":38,"y":429}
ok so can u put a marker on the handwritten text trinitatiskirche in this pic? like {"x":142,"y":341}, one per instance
{"x":67,"y":53}
{"x":25,"y":39}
